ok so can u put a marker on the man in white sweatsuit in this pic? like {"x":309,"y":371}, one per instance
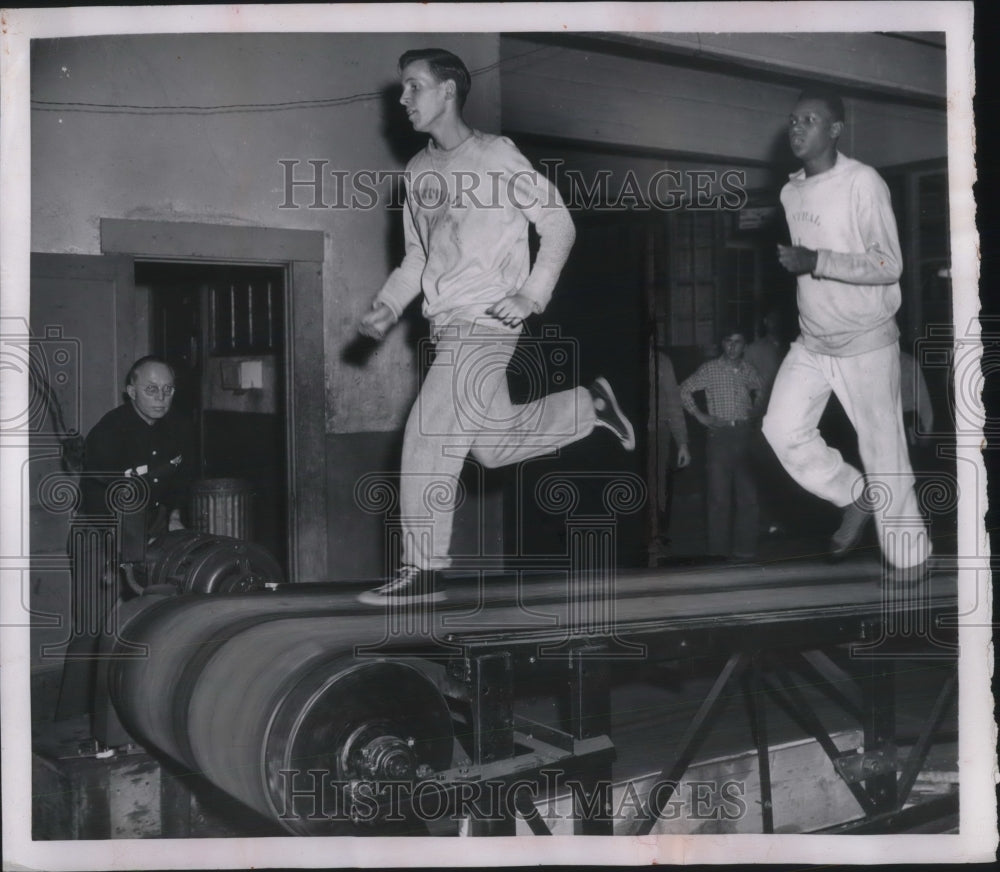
{"x":470,"y":199}
{"x":845,"y":252}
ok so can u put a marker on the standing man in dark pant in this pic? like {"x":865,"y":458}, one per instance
{"x":733,"y":391}
{"x":139,"y":462}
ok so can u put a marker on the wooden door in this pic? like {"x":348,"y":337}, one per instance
{"x":84,"y":333}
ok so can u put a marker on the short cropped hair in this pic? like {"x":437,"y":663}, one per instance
{"x":831,"y":99}
{"x":732,"y":328}
{"x":133,"y":372}
{"x":444,"y":65}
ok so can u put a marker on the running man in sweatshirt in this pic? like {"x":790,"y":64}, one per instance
{"x":470,"y":199}
{"x":845,"y":253}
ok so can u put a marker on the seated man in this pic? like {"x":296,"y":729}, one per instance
{"x":138,"y":439}
{"x":141,"y":438}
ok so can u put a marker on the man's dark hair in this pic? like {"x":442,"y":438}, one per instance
{"x":444,"y":65}
{"x":830,"y":99}
{"x":133,"y":372}
{"x":731,"y":328}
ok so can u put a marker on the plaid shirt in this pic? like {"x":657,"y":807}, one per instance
{"x":727,"y":388}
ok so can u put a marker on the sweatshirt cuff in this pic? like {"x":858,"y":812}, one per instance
{"x":822,"y":263}
{"x":538,"y":288}
{"x":388,"y":302}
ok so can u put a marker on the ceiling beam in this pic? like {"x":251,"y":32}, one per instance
{"x":874,"y":65}
{"x":577,"y":143}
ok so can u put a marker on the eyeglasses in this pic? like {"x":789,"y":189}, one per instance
{"x":152,"y":391}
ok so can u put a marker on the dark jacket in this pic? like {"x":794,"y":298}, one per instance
{"x":122,"y":445}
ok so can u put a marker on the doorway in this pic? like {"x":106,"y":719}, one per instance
{"x":222,"y":328}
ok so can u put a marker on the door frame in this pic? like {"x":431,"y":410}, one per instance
{"x":301,"y":252}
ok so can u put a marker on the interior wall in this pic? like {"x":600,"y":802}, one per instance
{"x":301,"y":97}
{"x":728,"y":117}
{"x":610,"y":121}
{"x":193,"y":128}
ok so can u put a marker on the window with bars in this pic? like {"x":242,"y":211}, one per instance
{"x":245,"y":312}
{"x":695,"y":239}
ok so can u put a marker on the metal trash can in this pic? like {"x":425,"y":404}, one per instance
{"x":223,"y":506}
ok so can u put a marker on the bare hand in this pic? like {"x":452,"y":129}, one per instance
{"x":377,"y":322}
{"x":796,"y":259}
{"x":512,"y":310}
{"x":174,"y":521}
{"x":683,"y":456}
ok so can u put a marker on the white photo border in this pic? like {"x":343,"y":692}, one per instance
{"x":978,"y":837}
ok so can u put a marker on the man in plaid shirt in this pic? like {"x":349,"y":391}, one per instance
{"x":734,"y":398}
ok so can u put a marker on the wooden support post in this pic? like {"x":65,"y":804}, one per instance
{"x":91,"y":810}
{"x":590,"y":716}
{"x":175,"y":804}
{"x":491,"y":692}
{"x":490,"y":687}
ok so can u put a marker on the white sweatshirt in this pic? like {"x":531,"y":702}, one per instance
{"x":465,"y":224}
{"x":848,"y":305}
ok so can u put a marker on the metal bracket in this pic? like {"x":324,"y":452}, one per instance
{"x":459,"y":669}
{"x":856,"y":768}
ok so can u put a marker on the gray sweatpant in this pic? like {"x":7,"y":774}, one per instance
{"x":867,"y":386}
{"x":464,"y":406}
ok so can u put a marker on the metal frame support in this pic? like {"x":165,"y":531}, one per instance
{"x":878,"y":690}
{"x":871,"y":776}
{"x":918,"y":755}
{"x":795,"y":703}
{"x":752,"y":690}
{"x":711,"y":707}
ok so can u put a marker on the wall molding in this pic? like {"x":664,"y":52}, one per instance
{"x":188,"y":239}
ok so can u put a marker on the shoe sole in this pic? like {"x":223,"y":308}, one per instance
{"x":839,"y":552}
{"x":370,"y":598}
{"x":628,"y":442}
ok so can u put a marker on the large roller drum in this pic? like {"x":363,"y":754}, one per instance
{"x":205,"y":563}
{"x":117,"y":649}
{"x":242,"y":689}
{"x":278,"y":707}
{"x":176,"y":636}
